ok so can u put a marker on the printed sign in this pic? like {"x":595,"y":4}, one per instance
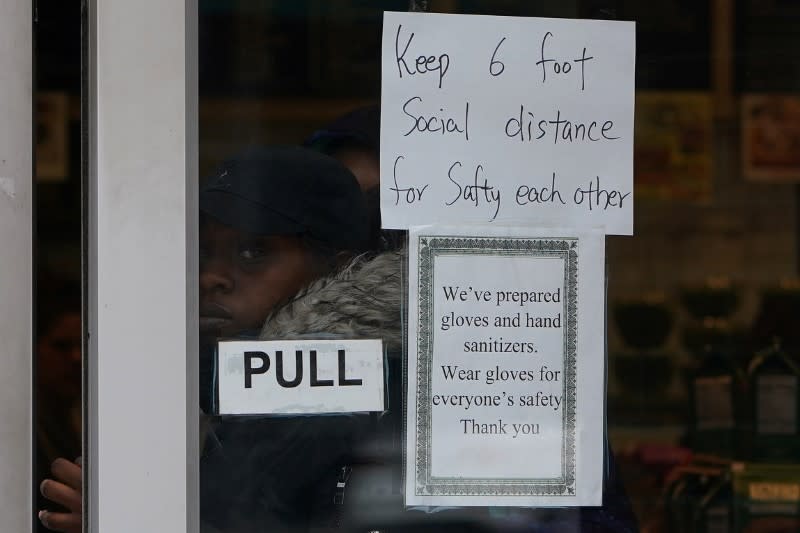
{"x":505,"y":120}
{"x":505,"y":368}
{"x":300,"y":377}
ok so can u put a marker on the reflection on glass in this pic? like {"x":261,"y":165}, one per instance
{"x":57,"y":293}
{"x":291,"y":246}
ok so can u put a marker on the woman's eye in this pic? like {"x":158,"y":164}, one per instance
{"x":252,"y":253}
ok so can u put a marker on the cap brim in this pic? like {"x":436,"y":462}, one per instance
{"x":241,"y":214}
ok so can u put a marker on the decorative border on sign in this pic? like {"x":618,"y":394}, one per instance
{"x":429,"y":248}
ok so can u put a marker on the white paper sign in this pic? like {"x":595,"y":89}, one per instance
{"x":505,"y":368}
{"x":507,"y":120}
{"x":301,"y":376}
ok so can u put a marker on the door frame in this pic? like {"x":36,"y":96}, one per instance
{"x":16,"y":277}
{"x":140,"y":182}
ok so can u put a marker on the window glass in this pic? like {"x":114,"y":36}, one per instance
{"x":703,"y":367}
{"x":57,"y":245}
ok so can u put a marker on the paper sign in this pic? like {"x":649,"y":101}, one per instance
{"x":301,"y":376}
{"x":505,"y":368}
{"x":525,"y":121}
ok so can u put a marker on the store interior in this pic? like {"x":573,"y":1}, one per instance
{"x":703,"y":358}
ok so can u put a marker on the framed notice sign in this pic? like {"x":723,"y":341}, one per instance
{"x":505,"y":399}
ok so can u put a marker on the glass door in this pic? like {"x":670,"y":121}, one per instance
{"x":218,"y":131}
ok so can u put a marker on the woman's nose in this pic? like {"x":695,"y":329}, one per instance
{"x":215,"y":274}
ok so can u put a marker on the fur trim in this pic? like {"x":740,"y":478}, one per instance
{"x":361,"y":301}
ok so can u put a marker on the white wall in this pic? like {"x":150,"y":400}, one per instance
{"x":16,"y":168}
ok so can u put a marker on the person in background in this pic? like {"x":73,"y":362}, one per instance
{"x":354,"y":139}
{"x":58,"y":376}
{"x":284,"y":474}
{"x":272,"y":221}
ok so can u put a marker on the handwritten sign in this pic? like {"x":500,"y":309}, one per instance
{"x":505,"y":365}
{"x":503,"y":120}
{"x":299,"y":377}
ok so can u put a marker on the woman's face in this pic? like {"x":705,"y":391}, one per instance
{"x":244,"y":276}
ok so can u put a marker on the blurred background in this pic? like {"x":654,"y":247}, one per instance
{"x":703,"y":302}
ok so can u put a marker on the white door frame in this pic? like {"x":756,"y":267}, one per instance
{"x":16,"y":283}
{"x":142,"y":369}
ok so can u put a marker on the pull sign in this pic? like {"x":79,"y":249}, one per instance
{"x":300,"y":377}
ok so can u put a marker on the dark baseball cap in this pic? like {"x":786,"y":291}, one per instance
{"x":289,"y":190}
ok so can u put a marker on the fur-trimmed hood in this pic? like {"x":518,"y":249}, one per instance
{"x":361,"y":301}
